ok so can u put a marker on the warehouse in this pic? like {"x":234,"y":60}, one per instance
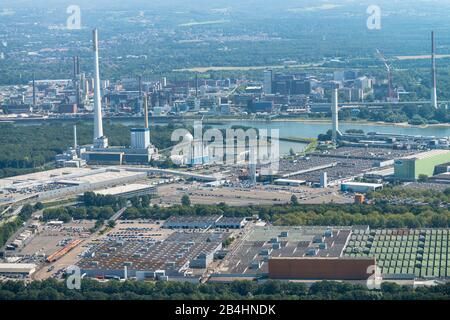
{"x":360,"y":187}
{"x":403,"y":253}
{"x":411,"y":167}
{"x":64,"y":182}
{"x":147,"y":258}
{"x":129,"y":190}
{"x":192,"y":222}
{"x":17,"y":269}
{"x":290,"y":182}
{"x":250,"y":257}
{"x":231,"y":223}
{"x":311,"y":268}
{"x":443,"y":178}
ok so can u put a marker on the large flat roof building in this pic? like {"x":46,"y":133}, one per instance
{"x":411,"y":167}
{"x":129,"y":190}
{"x":360,"y":186}
{"x":21,"y":269}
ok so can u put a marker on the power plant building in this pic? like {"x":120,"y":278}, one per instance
{"x":141,"y":150}
{"x":140,"y":138}
{"x":268,"y":78}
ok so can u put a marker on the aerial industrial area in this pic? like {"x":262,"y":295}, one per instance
{"x":217,"y":248}
{"x":280,"y":93}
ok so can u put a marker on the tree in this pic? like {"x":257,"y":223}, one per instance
{"x":423,"y":178}
{"x":111,"y":223}
{"x":294,"y":200}
{"x":145,"y":201}
{"x":135,"y":202}
{"x":38,"y":206}
{"x":410,"y":110}
{"x":325,"y":137}
{"x":89,"y":198}
{"x":426,"y":111}
{"x":185,"y":201}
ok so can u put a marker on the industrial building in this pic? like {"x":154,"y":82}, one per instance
{"x":289,"y":182}
{"x":403,"y":253}
{"x":191,"y":222}
{"x":129,"y":190}
{"x":443,"y":178}
{"x":64,"y":182}
{"x":411,"y":167}
{"x":360,"y":187}
{"x":141,"y":150}
{"x":200,"y":222}
{"x":263,"y":243}
{"x":162,"y":259}
{"x":17,"y":269}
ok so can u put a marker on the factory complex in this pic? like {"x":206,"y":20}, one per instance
{"x":212,"y":247}
{"x":69,"y":182}
{"x":217,"y":251}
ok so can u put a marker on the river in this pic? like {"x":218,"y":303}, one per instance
{"x":308,"y":129}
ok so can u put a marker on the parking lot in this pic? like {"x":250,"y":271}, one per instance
{"x":259,"y":195}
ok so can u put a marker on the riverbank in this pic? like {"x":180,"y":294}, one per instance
{"x":369,"y":123}
{"x":328,"y":121}
{"x":222,"y":120}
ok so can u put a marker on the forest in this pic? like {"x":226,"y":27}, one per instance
{"x":239,"y":290}
{"x":25,"y":149}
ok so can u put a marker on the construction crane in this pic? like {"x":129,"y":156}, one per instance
{"x":389,"y":68}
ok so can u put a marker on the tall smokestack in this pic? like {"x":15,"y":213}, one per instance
{"x":433,"y":73}
{"x":78,"y":65}
{"x":196,"y":85}
{"x":75,"y":142}
{"x":74,"y":77}
{"x":34,"y":90}
{"x":146,"y":111}
{"x":252,"y":161}
{"x":140,"y":86}
{"x":334,"y":114}
{"x":99,"y":140}
{"x":140,"y":101}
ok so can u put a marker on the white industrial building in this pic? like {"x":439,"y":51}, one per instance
{"x":129,"y":190}
{"x":17,"y":269}
{"x":361,"y":187}
{"x":290,"y":182}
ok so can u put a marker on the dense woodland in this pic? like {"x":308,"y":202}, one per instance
{"x":239,"y":290}
{"x":25,"y":149}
